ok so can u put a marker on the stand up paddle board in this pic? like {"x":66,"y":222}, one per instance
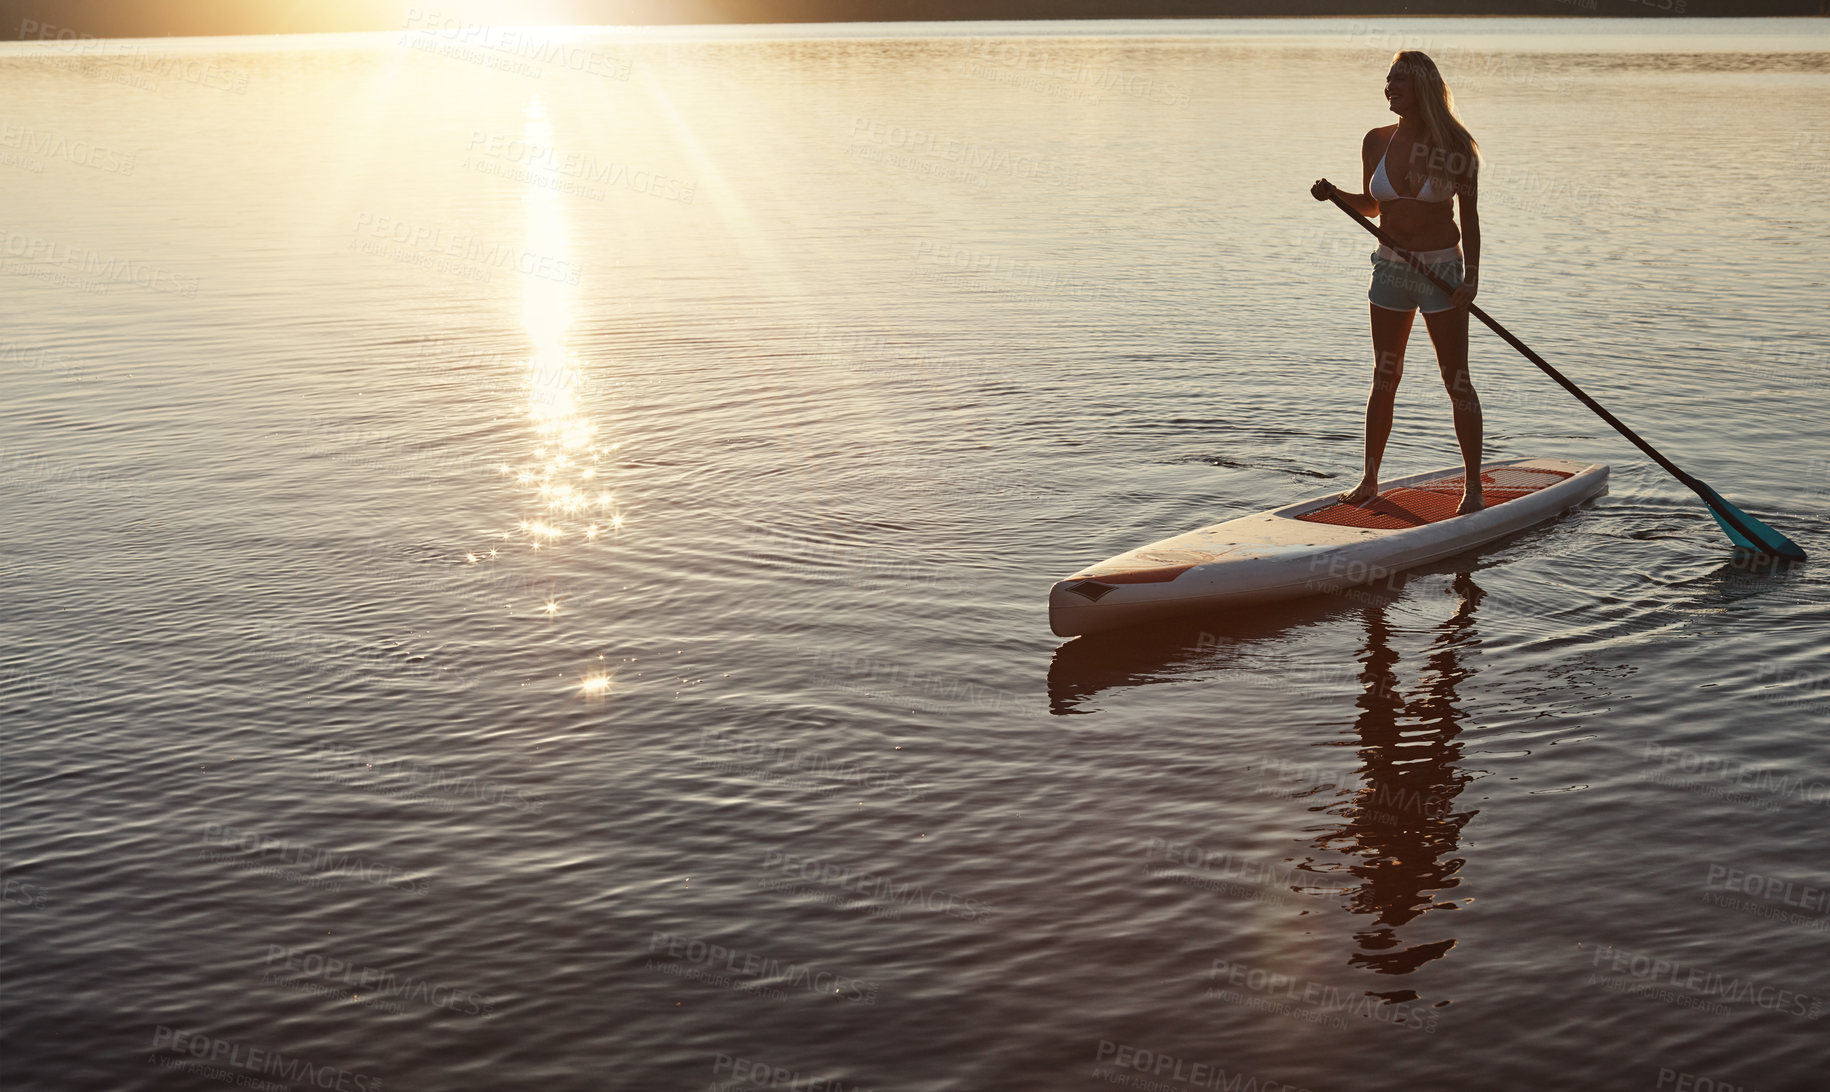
{"x":1318,"y":545}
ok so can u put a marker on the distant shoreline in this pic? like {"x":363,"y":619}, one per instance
{"x":51,"y":20}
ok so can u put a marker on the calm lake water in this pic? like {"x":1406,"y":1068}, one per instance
{"x":526,"y":566}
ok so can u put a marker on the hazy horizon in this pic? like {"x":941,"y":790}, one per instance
{"x":165,"y":18}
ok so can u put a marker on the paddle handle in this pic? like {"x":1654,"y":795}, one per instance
{"x":1525,"y":350}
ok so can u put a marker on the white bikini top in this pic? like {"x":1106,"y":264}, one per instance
{"x":1380,"y":189}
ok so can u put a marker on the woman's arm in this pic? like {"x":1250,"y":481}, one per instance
{"x":1470,"y":244}
{"x":1371,"y":151}
{"x":1362,"y":203}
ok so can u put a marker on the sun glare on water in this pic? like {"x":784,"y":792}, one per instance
{"x":561,"y":471}
{"x":561,"y":487}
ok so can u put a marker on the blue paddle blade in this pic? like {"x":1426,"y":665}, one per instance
{"x":1765,"y":540}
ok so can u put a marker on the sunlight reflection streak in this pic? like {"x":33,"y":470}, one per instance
{"x":566,"y":453}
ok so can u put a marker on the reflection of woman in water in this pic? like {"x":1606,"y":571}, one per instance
{"x":1398,"y":827}
{"x":1401,"y":825}
{"x":1411,"y":172}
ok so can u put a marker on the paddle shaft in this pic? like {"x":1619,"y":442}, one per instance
{"x":1525,"y":350}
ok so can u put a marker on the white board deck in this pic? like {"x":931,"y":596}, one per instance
{"x":1277,"y":555}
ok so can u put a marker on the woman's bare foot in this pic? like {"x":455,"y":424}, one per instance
{"x":1360,"y":494}
{"x":1471,"y":501}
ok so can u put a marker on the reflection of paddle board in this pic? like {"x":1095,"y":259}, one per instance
{"x":1317,"y":545}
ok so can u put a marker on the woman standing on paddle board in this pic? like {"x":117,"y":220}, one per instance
{"x":1412,"y":171}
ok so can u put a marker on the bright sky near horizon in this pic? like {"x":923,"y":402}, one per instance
{"x":49,"y":19}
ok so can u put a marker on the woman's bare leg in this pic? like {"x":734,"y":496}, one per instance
{"x":1390,"y":331}
{"x":1449,"y":331}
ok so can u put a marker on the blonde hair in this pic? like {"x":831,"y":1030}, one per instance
{"x":1455,"y":153}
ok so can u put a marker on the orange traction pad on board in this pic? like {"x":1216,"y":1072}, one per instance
{"x":1434,"y":500}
